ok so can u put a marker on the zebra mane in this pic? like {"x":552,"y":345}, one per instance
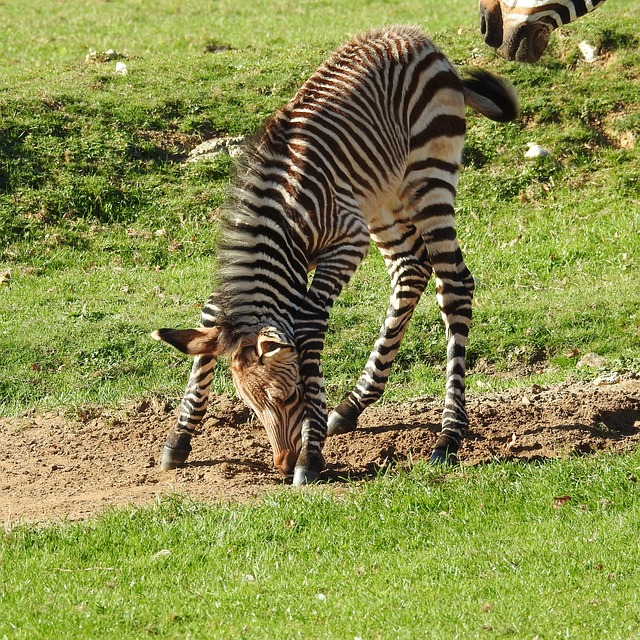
{"x":256,"y":254}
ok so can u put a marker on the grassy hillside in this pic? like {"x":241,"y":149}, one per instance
{"x":106,"y":233}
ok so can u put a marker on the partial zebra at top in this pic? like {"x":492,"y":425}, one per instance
{"x":368,"y":149}
{"x":520,"y":29}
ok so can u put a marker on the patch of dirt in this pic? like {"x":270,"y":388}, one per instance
{"x":53,"y":468}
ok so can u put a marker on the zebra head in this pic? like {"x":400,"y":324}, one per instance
{"x":266,"y":374}
{"x":520,"y":29}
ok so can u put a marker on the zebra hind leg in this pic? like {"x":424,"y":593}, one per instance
{"x":177,"y":446}
{"x":454,"y":293}
{"x":408,"y":265}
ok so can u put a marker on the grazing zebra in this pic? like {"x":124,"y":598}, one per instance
{"x":520,"y":29}
{"x":369,"y":148}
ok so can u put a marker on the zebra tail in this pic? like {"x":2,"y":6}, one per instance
{"x":491,"y":96}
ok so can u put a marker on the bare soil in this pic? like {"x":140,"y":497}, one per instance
{"x":55,"y":468}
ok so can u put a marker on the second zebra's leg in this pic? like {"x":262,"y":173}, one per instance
{"x":408,"y":265}
{"x":454,"y":291}
{"x":177,"y":446}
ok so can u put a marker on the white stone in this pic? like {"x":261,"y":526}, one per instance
{"x":589,"y":52}
{"x":535,"y":151}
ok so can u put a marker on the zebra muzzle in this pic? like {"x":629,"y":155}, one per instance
{"x":285,"y":461}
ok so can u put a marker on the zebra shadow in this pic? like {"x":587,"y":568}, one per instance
{"x":372,"y":451}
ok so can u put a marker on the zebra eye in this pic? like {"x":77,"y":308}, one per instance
{"x":269,"y":349}
{"x":275,"y":394}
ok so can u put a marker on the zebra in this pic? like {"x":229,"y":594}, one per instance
{"x":520,"y":29}
{"x":368,"y":149}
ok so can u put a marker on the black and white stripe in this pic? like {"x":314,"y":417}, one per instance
{"x":369,"y":148}
{"x":520,"y":29}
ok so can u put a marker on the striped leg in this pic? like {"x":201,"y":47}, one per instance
{"x":177,"y":446}
{"x":407,"y":261}
{"x":454,"y":286}
{"x":454,"y":291}
{"x":334,"y":270}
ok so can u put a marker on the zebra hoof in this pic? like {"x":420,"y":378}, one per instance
{"x":443,"y":456}
{"x":338,"y":423}
{"x":173,"y":458}
{"x":303,"y":476}
{"x":177,"y":448}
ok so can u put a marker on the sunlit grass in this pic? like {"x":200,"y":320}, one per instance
{"x":107,"y":234}
{"x":506,"y":550}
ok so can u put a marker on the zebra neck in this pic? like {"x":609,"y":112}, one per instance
{"x":264,"y":263}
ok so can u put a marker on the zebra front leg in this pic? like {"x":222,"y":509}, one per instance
{"x":310,"y":329}
{"x":334,"y":269}
{"x":454,"y":287}
{"x":177,"y":446}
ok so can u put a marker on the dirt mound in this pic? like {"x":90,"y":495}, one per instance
{"x":56,"y":468}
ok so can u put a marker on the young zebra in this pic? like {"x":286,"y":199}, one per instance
{"x":369,"y":147}
{"x":520,"y":29}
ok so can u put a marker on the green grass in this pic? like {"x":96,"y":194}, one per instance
{"x":108,"y":234}
{"x":478,"y":553}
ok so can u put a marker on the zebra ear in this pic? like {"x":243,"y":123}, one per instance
{"x":194,"y":342}
{"x":270,"y":343}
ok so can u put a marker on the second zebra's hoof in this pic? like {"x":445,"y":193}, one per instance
{"x":338,"y":423}
{"x":303,"y":476}
{"x":443,"y":456}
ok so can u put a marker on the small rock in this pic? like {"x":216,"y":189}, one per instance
{"x":100,"y":57}
{"x":535,"y":151}
{"x":612,"y":378}
{"x":210,"y":148}
{"x":588,"y":51}
{"x":591,"y":361}
{"x":121,"y":68}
